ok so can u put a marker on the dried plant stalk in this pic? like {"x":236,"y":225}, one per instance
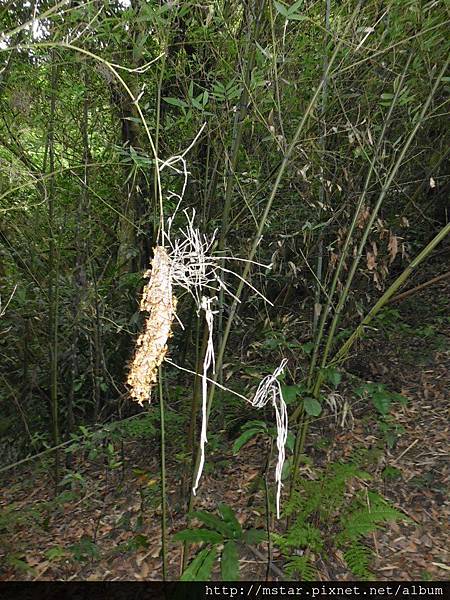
{"x":159,"y":301}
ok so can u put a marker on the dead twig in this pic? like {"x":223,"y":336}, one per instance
{"x":403,"y":295}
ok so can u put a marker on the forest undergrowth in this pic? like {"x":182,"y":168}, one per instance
{"x":224,"y":289}
{"x":103,"y":523}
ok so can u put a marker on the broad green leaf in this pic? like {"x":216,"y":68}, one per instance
{"x":333,"y":376}
{"x":195,"y":536}
{"x":312,"y":406}
{"x":229,"y":517}
{"x":244,"y":438}
{"x":282,"y":9}
{"x":307,"y":347}
{"x":230,"y":562}
{"x":289,"y":393}
{"x":290,"y":441}
{"x":213,"y":522}
{"x":201,"y":567}
{"x":287,"y":468}
{"x":176,"y":102}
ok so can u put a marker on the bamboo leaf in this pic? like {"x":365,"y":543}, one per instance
{"x":282,"y":9}
{"x":176,"y":102}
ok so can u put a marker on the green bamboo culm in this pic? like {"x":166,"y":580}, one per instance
{"x":163,"y":478}
{"x":257,"y":239}
{"x":342,"y":353}
{"x":381,"y":198}
{"x":314,"y":384}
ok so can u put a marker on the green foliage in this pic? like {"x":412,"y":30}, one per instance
{"x":312,"y":406}
{"x":322,"y":515}
{"x":56,"y":553}
{"x":332,"y":376}
{"x":224,"y":529}
{"x":84,"y":550}
{"x":249,"y":431}
{"x":383,"y":400}
{"x":381,"y":397}
{"x":292,"y":12}
{"x":367,"y":513}
{"x":195,"y":536}
{"x":229,"y":562}
{"x":300,"y":567}
{"x":358,"y":558}
{"x":201,"y":567}
{"x":18,"y":561}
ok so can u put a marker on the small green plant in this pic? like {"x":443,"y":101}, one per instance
{"x":252,"y":429}
{"x":222,"y":534}
{"x":322,"y":516}
{"x":383,"y":400}
{"x":85,"y":550}
{"x":55,"y":553}
{"x":18,"y":562}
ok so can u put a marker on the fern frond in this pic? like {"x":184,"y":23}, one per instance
{"x":358,"y":558}
{"x":295,"y":503}
{"x":301,"y":568}
{"x":368,"y":517}
{"x":304,"y":535}
{"x":299,"y":535}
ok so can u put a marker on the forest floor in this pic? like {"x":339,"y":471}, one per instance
{"x":109,"y":529}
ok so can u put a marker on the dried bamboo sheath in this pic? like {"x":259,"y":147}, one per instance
{"x":159,"y":301}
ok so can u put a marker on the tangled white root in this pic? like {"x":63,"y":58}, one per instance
{"x":208,"y":361}
{"x":269,"y":390}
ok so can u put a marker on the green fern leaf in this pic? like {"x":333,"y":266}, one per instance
{"x":301,"y":567}
{"x":358,"y":558}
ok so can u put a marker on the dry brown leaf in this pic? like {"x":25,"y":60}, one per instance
{"x":371,"y":261}
{"x":392,"y":247}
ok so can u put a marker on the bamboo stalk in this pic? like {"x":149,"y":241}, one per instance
{"x":348,"y":239}
{"x":385,"y":188}
{"x":163,"y":479}
{"x":53,"y":276}
{"x":342,"y":353}
{"x":418,"y":288}
{"x":257,"y":239}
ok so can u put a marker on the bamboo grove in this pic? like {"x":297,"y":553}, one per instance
{"x":305,"y":140}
